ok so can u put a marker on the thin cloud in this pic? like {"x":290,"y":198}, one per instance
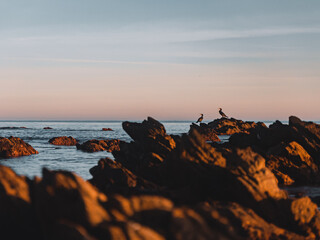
{"x":162,"y":35}
{"x":68,"y":60}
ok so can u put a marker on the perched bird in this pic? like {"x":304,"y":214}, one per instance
{"x":200,"y":119}
{"x":222,"y":113}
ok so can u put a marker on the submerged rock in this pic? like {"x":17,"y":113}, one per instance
{"x":63,"y":141}
{"x":12,"y":128}
{"x":100,"y":145}
{"x":15,"y":147}
{"x":107,"y":129}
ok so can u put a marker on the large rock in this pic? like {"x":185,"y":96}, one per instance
{"x":100,"y":145}
{"x":63,"y":196}
{"x":307,"y":134}
{"x":229,"y":126}
{"x":294,"y":161}
{"x":110,"y":176}
{"x":206,"y":132}
{"x":17,"y":219}
{"x":151,"y":134}
{"x":15,"y":147}
{"x":292,"y":151}
{"x":63,"y":141}
{"x":150,"y":146}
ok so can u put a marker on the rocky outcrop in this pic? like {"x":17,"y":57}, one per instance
{"x":193,"y":172}
{"x":107,"y":129}
{"x":291,"y":151}
{"x":206,"y":132}
{"x":17,"y":218}
{"x":63,"y":141}
{"x":229,"y":126}
{"x":63,"y":206}
{"x":15,"y":147}
{"x":150,"y":146}
{"x":111,"y":176}
{"x":178,"y":187}
{"x":100,"y":145}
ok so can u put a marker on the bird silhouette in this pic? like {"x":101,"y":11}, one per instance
{"x":200,"y":119}
{"x":222,"y":113}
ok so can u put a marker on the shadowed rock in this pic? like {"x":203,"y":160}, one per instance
{"x":150,"y":146}
{"x":62,"y":195}
{"x":307,"y":134}
{"x":295,"y":161}
{"x":15,"y":147}
{"x":100,"y":145}
{"x":110,"y":176}
{"x":63,"y":141}
{"x":17,"y":219}
{"x":206,"y":132}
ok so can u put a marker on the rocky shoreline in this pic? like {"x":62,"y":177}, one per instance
{"x":162,"y":186}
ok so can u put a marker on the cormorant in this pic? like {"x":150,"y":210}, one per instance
{"x":222,"y":113}
{"x":200,"y":119}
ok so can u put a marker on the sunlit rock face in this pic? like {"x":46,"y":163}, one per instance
{"x":207,"y":132}
{"x":229,"y":126}
{"x":63,"y":141}
{"x":15,"y":147}
{"x":291,"y":151}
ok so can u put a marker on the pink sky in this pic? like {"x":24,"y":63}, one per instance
{"x":164,"y":91}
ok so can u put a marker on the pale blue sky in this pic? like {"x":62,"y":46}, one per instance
{"x":81,"y":59}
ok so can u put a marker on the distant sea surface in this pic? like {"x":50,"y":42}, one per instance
{"x":65,"y":157}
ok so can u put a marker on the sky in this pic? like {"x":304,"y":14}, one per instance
{"x":172,"y":60}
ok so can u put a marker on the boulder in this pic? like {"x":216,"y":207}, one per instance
{"x":229,"y":126}
{"x":294,"y":161}
{"x":15,"y":147}
{"x":63,"y":141}
{"x":63,"y":196}
{"x":150,"y":146}
{"x":110,"y":176}
{"x":206,"y":132}
{"x":292,"y":151}
{"x":100,"y":145}
{"x":17,"y":219}
{"x":307,"y":134}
